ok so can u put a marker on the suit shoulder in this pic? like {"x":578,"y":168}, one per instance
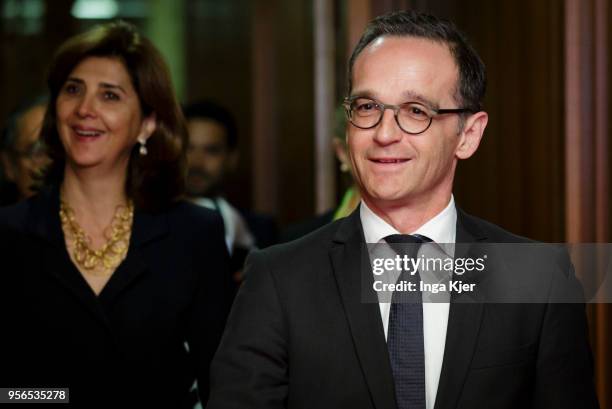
{"x":195,"y":221}
{"x":261,"y":218}
{"x":493,"y":232}
{"x":190,"y":214}
{"x":292,"y":266}
{"x":263,"y":227}
{"x":304,"y":248}
{"x":538,"y":253}
{"x":302,"y":228}
{"x":14,"y":216}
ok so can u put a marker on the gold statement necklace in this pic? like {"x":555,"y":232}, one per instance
{"x":104,"y":261}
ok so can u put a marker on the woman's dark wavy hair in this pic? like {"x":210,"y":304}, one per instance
{"x":156,"y":180}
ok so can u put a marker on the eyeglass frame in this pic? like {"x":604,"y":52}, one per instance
{"x":396,"y":108}
{"x":34,"y":151}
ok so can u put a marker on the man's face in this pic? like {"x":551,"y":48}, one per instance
{"x":28,"y":156}
{"x":208,"y":156}
{"x":391,"y":166}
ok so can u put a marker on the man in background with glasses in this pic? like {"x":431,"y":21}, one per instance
{"x":302,"y":333}
{"x":21,"y":151}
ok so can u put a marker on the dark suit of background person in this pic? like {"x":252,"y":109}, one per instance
{"x":303,"y":332}
{"x":212,"y":155}
{"x":127,"y":345}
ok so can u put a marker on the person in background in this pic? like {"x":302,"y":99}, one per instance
{"x":21,"y":151}
{"x":121,"y":288}
{"x":350,"y":199}
{"x":212,"y":155}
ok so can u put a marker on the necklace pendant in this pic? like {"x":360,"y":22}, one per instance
{"x":104,"y":260}
{"x":90,"y":262}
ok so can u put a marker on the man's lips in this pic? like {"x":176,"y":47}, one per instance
{"x":389,"y":161}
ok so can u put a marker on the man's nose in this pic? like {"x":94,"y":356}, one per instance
{"x":196,"y":156}
{"x":388,"y":131}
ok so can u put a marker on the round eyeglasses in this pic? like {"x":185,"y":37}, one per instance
{"x":34,"y":151}
{"x":412,"y":117}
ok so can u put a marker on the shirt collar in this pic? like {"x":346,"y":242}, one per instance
{"x":441,"y":228}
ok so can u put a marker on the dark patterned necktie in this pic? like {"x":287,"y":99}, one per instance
{"x":405,"y":331}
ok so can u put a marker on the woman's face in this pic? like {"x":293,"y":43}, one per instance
{"x":99,"y":118}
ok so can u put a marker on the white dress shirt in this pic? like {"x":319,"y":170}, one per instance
{"x":441,"y":229}
{"x":237,"y":232}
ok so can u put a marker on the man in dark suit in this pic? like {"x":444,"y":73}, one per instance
{"x":212,"y":155}
{"x":303,"y":332}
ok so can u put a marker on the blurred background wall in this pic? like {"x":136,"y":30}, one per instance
{"x":279,"y":65}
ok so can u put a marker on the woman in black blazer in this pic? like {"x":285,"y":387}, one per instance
{"x":115,"y":287}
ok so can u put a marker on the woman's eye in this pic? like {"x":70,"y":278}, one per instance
{"x":111,"y":96}
{"x":71,"y":88}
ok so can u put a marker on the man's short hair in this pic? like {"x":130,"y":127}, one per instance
{"x":215,"y":112}
{"x":472,"y":73}
{"x":8,"y":140}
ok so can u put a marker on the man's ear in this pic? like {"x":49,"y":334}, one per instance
{"x":340,"y":150}
{"x":471,"y":134}
{"x":341,"y":154}
{"x":148,"y":126}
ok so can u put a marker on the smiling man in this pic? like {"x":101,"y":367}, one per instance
{"x":304,"y":332}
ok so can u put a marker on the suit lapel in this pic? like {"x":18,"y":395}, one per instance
{"x":146,"y":228}
{"x":349,"y":257}
{"x":43,"y":222}
{"x":463,"y":326}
